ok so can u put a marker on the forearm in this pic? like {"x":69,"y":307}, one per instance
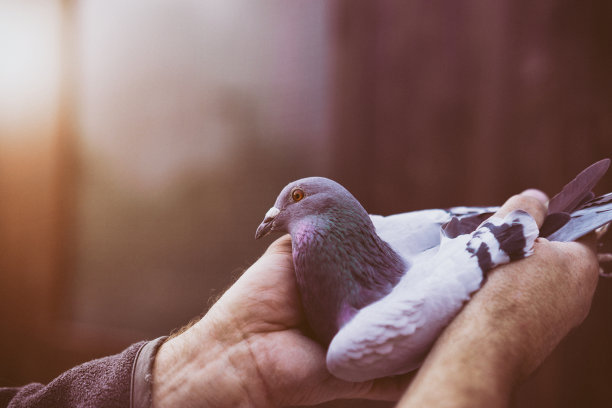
{"x":472,"y":365}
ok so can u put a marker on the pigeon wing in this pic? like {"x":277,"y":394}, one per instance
{"x":465,"y":220}
{"x":392,"y":335}
{"x":412,"y":233}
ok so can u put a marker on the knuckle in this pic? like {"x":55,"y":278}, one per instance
{"x":526,"y":203}
{"x":523,"y":201}
{"x":517,"y":201}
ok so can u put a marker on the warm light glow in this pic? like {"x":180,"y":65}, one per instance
{"x":30,"y":50}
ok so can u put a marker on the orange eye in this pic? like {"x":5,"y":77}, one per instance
{"x":297,"y":194}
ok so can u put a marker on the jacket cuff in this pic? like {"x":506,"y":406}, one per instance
{"x":142,"y":374}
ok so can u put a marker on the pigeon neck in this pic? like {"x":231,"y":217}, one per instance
{"x":341,"y":265}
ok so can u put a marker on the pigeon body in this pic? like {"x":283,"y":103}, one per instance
{"x":379,"y":290}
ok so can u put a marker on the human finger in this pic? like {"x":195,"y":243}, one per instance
{"x":534,"y":202}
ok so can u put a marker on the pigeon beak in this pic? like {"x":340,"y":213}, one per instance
{"x":267,"y":224}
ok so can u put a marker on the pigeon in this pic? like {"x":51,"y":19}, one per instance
{"x":377,"y":291}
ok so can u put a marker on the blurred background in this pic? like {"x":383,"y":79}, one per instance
{"x":141,"y":143}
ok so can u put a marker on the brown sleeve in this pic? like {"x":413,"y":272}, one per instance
{"x":113,"y":381}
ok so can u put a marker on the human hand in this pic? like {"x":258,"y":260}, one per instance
{"x":250,"y":349}
{"x":509,"y":327}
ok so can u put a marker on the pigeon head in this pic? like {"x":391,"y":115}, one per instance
{"x":307,"y":197}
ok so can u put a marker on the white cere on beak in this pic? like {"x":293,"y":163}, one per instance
{"x":272,"y":212}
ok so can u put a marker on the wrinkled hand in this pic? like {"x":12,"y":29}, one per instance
{"x":250,"y":350}
{"x":511,"y":325}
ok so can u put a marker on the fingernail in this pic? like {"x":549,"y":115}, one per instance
{"x":537,"y":194}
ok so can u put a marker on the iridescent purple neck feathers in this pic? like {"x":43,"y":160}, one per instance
{"x":341,"y":265}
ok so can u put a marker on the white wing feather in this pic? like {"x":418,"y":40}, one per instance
{"x":412,"y":233}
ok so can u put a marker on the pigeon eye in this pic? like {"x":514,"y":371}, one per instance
{"x":297,"y":194}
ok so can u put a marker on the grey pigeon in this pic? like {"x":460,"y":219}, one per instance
{"x":378,"y":290}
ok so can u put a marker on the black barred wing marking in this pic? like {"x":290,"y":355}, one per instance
{"x":465,"y":220}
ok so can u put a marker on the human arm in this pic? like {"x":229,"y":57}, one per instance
{"x":507,"y":329}
{"x":250,"y":349}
